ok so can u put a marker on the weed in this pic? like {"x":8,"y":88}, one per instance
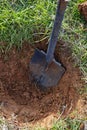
{"x":59,"y":125}
{"x":66,"y":124}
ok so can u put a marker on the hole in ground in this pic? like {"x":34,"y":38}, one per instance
{"x":19,"y":95}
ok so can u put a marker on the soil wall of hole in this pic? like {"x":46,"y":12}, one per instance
{"x":21,"y":96}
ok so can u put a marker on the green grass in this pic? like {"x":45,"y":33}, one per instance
{"x":32,"y":21}
{"x":21,"y":20}
{"x":67,"y":124}
{"x":74,"y":30}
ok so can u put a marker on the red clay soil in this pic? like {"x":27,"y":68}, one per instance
{"x":21,"y":96}
{"x":83,"y":9}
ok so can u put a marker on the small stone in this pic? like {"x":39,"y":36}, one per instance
{"x":5,"y":127}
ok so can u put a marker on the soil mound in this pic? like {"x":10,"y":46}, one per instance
{"x":83,"y":9}
{"x":21,"y":96}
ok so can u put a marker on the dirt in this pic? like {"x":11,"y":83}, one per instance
{"x":21,"y":97}
{"x":83,"y":9}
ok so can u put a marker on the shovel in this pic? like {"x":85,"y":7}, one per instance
{"x":45,"y":70}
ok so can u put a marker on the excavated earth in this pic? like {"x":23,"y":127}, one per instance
{"x":83,"y":9}
{"x":20,"y":95}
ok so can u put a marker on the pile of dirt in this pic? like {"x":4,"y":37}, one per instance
{"x":83,"y":9}
{"x":20,"y":96}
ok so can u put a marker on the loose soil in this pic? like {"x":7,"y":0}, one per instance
{"x":83,"y":9}
{"x":20,"y":96}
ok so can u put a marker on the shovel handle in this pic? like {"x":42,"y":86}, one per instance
{"x":61,"y":7}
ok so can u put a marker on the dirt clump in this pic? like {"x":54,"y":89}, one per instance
{"x":21,"y":96}
{"x":83,"y":9}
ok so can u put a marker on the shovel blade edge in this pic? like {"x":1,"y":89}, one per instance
{"x":48,"y":77}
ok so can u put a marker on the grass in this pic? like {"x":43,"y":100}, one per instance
{"x":23,"y":20}
{"x":67,"y":124}
{"x":75,"y":32}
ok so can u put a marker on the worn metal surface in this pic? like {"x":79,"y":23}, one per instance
{"x":45,"y":76}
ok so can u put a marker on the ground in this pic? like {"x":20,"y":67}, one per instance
{"x":21,"y":98}
{"x":83,"y":9}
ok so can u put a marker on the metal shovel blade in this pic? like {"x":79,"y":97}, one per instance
{"x":45,"y":77}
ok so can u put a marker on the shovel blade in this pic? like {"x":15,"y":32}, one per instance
{"x":48,"y":77}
